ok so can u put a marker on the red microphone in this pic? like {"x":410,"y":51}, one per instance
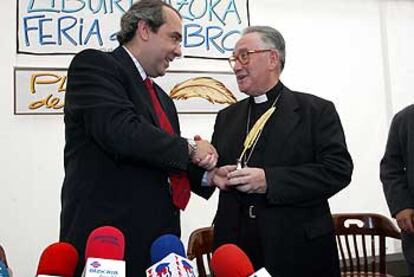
{"x":104,"y":252}
{"x":230,"y":260}
{"x":58,"y":259}
{"x":105,"y":242}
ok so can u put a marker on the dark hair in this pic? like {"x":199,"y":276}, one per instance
{"x":151,"y":11}
{"x":272,"y":38}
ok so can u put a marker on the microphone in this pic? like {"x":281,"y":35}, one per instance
{"x":230,"y":260}
{"x":165,"y":245}
{"x":261,"y":273}
{"x":3,"y":270}
{"x":169,"y":258}
{"x":106,"y":242}
{"x":58,"y":259}
{"x":104,"y":253}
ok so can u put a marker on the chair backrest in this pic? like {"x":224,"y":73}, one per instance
{"x":200,"y":247}
{"x":361,"y":239}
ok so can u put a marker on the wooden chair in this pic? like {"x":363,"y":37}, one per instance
{"x":361,"y":239}
{"x":200,"y":247}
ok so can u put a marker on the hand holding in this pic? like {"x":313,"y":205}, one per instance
{"x":208,"y":163}
{"x":206,"y":155}
{"x":248,"y":180}
{"x":218,"y":176}
{"x":405,"y":220}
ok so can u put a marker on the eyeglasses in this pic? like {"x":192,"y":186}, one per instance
{"x":244,"y":56}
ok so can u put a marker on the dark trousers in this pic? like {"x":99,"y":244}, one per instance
{"x":408,"y":250}
{"x":249,"y":239}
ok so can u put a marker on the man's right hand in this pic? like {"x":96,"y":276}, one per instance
{"x":206,"y":155}
{"x":405,"y":220}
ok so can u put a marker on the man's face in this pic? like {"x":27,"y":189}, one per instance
{"x":165,"y":44}
{"x":253,"y":77}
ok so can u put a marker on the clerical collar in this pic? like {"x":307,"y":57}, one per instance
{"x":260,"y":99}
{"x":269,"y":95}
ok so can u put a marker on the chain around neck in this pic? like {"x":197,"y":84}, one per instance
{"x":246,"y":157}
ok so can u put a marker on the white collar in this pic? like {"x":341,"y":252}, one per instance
{"x":260,"y":98}
{"x":137,"y":64}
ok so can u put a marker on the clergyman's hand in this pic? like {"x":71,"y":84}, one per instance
{"x":405,"y":220}
{"x":248,"y":180}
{"x":218,"y":176}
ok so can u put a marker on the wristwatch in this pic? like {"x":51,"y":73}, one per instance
{"x":193,"y":146}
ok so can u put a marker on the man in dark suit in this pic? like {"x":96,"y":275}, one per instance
{"x":397,"y":176}
{"x":276,"y":207}
{"x":125,"y":162}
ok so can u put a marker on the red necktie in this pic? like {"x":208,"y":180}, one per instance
{"x":180,"y":184}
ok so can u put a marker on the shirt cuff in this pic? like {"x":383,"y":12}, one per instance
{"x":204,"y":180}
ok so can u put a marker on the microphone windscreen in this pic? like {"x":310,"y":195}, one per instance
{"x":59,"y":258}
{"x":106,"y":242}
{"x":3,"y":270}
{"x":230,"y":260}
{"x":165,"y":245}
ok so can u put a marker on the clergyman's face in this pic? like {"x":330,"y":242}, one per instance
{"x":165,"y":44}
{"x":252,"y":77}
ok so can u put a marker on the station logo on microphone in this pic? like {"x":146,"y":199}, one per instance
{"x":96,"y":267}
{"x":172,"y":266}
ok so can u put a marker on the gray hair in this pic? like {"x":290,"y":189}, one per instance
{"x":151,"y":11}
{"x":272,"y":38}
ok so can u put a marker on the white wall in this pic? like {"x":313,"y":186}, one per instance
{"x":356,"y":53}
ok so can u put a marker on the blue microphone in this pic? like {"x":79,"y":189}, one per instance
{"x":3,"y":270}
{"x":165,"y":245}
{"x":168,"y":256}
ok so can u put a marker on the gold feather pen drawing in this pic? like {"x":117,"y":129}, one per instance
{"x":203,"y":87}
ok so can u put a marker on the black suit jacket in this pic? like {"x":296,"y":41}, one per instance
{"x":397,"y":165}
{"x":305,"y":159}
{"x":116,"y":158}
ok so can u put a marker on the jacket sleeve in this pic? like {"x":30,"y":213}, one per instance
{"x":98,"y":98}
{"x":393,"y":169}
{"x":315,"y":181}
{"x":196,"y":175}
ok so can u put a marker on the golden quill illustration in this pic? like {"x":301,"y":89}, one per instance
{"x":203,"y":87}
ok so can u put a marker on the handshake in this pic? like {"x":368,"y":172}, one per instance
{"x":247,"y":179}
{"x":202,"y":153}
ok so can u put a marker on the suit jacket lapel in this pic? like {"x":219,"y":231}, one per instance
{"x":140,"y":95}
{"x":235,"y":132}
{"x":281,"y":123}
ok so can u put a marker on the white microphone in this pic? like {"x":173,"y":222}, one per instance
{"x":261,"y":273}
{"x":96,"y":267}
{"x":104,"y":253}
{"x":172,"y":265}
